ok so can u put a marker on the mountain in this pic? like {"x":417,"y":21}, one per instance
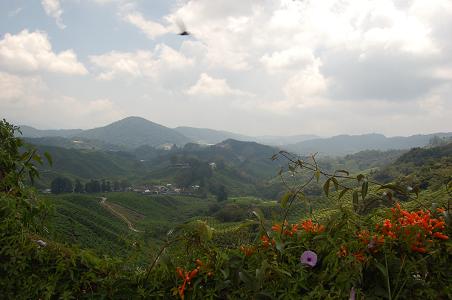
{"x":28,"y":131}
{"x":72,"y":143}
{"x":428,"y":167}
{"x":348,"y":144}
{"x":88,"y":164}
{"x":283,"y":140}
{"x":133,"y":132}
{"x":209,"y":136}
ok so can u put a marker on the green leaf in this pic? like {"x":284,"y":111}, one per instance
{"x":258,"y":213}
{"x":317,"y":175}
{"x":280,"y":246}
{"x":326,"y":187}
{"x":285,"y":199}
{"x":246,"y":278}
{"x":336,"y":183}
{"x":360,"y":177}
{"x":381,"y":268}
{"x":393,"y":187}
{"x":364,"y":189}
{"x":37,"y":159}
{"x":342,"y":171}
{"x":49,"y":158}
{"x":355,"y":200}
{"x":345,"y":190}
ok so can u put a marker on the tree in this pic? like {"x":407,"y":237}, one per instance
{"x":116,"y":186}
{"x":103,"y":186}
{"x":124,"y":184}
{"x":222,"y":195}
{"x":93,"y":186}
{"x":61,"y":185}
{"x":16,"y":159}
{"x":79,"y":187}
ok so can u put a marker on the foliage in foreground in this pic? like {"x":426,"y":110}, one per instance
{"x":390,"y":253}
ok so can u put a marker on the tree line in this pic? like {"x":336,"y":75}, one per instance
{"x":61,"y":185}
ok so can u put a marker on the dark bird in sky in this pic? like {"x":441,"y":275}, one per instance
{"x":182,"y":28}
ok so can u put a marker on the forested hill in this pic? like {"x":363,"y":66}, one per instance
{"x":133,"y":132}
{"x":28,"y":131}
{"x":423,"y":166}
{"x":209,"y":136}
{"x":241,"y":166}
{"x":347,"y":144}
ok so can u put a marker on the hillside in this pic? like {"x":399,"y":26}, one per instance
{"x":348,"y":144}
{"x":73,"y":143}
{"x":209,"y":136}
{"x":87,"y":164}
{"x":244,"y":168}
{"x":428,"y":168}
{"x":275,"y":140}
{"x":28,"y":131}
{"x":133,"y":132}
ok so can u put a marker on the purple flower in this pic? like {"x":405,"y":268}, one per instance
{"x":352,"y":293}
{"x":309,"y":258}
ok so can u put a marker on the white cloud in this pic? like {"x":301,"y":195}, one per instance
{"x":306,"y":83}
{"x":11,"y":86}
{"x":54,"y":10}
{"x":292,"y":58}
{"x":209,"y":86}
{"x":150,"y":28}
{"x":141,"y":63}
{"x":25,"y":94}
{"x":32,"y":51}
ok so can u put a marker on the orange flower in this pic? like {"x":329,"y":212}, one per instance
{"x":266,"y":241}
{"x":311,"y":227}
{"x":363,"y":236}
{"x":180,"y":272}
{"x":276,"y":227}
{"x":359,"y":256}
{"x":342,"y":251}
{"x":416,"y":228}
{"x":415,"y":248}
{"x":440,"y":210}
{"x":387,"y":224}
{"x":440,"y":235}
{"x":187,"y":277}
{"x":247,"y":250}
{"x":198,"y":262}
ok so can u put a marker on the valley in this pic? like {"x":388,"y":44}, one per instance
{"x":145,"y":192}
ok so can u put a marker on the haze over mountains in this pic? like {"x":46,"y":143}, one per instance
{"x":133,"y":132}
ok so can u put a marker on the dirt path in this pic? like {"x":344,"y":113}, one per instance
{"x":103,"y":202}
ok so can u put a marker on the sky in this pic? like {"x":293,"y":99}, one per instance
{"x":255,"y":67}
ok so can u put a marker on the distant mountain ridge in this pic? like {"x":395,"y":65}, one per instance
{"x":134,"y":132}
{"x":28,"y":131}
{"x":348,"y":144}
{"x":131,"y":132}
{"x":210,"y":136}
